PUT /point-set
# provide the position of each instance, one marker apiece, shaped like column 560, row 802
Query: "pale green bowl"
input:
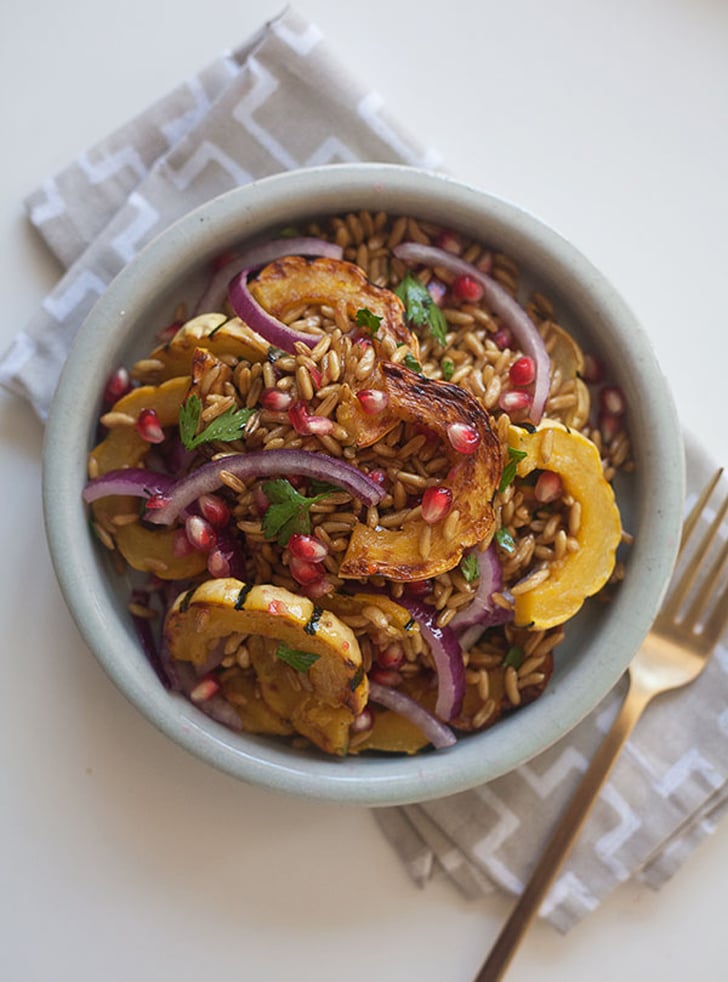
column 601, row 640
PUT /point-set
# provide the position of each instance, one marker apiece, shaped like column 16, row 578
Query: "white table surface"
column 122, row 857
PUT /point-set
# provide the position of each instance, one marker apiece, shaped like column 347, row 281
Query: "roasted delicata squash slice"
column 473, row 481
column 581, row 573
column 568, row 360
column 149, row 550
column 241, row 689
column 222, row 336
column 206, row 615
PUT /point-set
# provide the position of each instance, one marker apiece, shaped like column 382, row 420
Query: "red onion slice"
column 133, row 481
column 447, row 655
column 439, row 735
column 481, row 613
column 256, row 256
column 264, row 463
column 249, row 310
column 501, row 303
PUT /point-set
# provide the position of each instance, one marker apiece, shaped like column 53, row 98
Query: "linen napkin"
column 283, row 100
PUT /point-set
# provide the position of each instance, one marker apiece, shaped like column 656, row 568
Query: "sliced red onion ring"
column 447, row 655
column 249, row 310
column 133, row 481
column 439, row 735
column 501, row 303
column 481, row 613
column 256, row 256
column 264, row 463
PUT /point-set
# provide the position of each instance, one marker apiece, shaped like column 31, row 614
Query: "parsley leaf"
column 288, row 511
column 411, row 362
column 469, row 567
column 514, row 657
column 419, row 307
column 448, row 369
column 225, row 427
column 369, row 321
column 300, row 660
column 505, row 540
column 509, row 471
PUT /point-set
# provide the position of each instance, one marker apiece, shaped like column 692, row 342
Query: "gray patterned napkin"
column 282, row 101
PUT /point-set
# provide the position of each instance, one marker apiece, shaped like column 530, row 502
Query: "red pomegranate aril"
column 503, row 338
column 437, row 290
column 214, row 509
column 436, row 503
column 316, row 377
column 609, row 426
column 463, row 437
column 218, row 564
column 318, row 589
column 485, row 263
column 418, row 588
column 384, row 676
column 373, row 401
column 611, row 399
column 304, row 571
column 276, row 400
column 148, row 426
column 449, row 241
column 548, row 487
column 467, row 289
column 514, row 401
column 307, row 425
column 307, row 547
column 205, row 689
column 380, row 476
column 200, row 533
column 363, row 722
column 156, row 501
column 522, row 371
column 181, row 545
column 593, row 371
column 117, row 385
column 391, row 657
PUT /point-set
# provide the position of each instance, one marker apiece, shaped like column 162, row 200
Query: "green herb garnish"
column 469, row 567
column 448, row 369
column 419, row 307
column 288, row 511
column 505, row 540
column 300, row 660
column 509, row 471
column 411, row 362
column 225, row 427
column 369, row 321
column 514, row 657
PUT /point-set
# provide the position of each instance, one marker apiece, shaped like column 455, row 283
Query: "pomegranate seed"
column 276, row 400
column 503, row 338
column 318, row 589
column 449, row 241
column 305, row 424
column 463, row 437
column 304, row 571
column 200, row 533
column 593, row 371
column 117, row 385
column 418, row 588
column 181, row 545
column 485, row 263
column 307, row 547
column 391, row 657
column 467, row 289
column 436, row 503
column 381, row 477
column 218, row 564
column 156, row 501
column 205, row 689
column 363, row 722
column 373, row 401
column 611, row 399
column 609, row 426
column 437, row 290
column 385, row 676
column 316, row 377
column 214, row 509
column 148, row 426
column 511, row 402
column 522, row 371
column 548, row 487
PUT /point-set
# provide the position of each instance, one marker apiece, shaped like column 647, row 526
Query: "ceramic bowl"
column 600, row 641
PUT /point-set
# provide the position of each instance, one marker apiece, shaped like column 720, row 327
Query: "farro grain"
column 115, row 418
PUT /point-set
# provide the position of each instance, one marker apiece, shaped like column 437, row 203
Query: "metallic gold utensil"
column 674, row 653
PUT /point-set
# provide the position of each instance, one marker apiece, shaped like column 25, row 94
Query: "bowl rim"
column 235, row 216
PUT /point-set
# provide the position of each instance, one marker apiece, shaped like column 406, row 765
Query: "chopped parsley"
column 509, row 471
column 419, row 307
column 300, row 660
column 448, row 369
column 225, row 427
column 505, row 540
column 288, row 511
column 469, row 567
column 514, row 657
column 369, row 321
column 411, row 362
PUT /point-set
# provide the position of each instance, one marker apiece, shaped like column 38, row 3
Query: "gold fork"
column 673, row 654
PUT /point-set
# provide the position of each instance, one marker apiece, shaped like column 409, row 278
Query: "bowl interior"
column 600, row 640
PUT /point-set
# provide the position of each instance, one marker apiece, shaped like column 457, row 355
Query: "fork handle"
column 564, row 835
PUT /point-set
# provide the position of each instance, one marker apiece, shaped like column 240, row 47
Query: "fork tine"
column 708, row 588
column 718, row 621
column 695, row 512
